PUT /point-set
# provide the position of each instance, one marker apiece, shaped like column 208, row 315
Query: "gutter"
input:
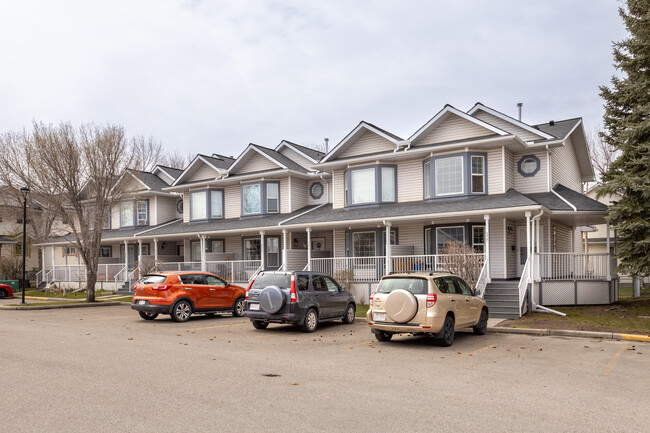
column 301, row 214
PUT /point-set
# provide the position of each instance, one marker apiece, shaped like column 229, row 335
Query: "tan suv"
column 435, row 304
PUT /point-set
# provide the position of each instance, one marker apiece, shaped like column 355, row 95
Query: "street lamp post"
column 25, row 191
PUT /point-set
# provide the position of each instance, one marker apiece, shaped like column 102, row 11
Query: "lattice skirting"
column 570, row 292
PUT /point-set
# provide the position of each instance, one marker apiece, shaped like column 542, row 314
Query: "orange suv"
column 182, row 294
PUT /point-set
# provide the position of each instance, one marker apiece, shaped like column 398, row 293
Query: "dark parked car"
column 299, row 298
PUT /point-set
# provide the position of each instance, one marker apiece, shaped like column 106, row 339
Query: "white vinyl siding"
column 506, row 126
column 255, row 162
column 531, row 184
column 494, row 171
column 452, row 129
column 115, row 217
column 564, row 167
column 368, row 143
column 409, row 180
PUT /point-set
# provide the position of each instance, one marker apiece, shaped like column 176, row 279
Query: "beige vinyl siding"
column 368, row 143
column 452, row 129
column 494, row 171
column 165, row 209
column 153, row 210
column 564, row 167
column 497, row 248
column 339, row 243
column 201, row 171
column 285, row 199
column 509, row 168
column 133, row 185
column 338, row 190
column 561, row 238
column 410, row 235
column 511, row 256
column 299, row 194
column 506, row 126
column 323, row 198
column 296, row 157
column 536, row 183
column 256, row 162
column 186, row 206
column 409, row 181
column 115, row 217
column 165, row 178
column 234, row 247
column 232, row 200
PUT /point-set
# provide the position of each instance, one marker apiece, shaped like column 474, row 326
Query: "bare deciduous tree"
column 602, row 154
column 175, row 159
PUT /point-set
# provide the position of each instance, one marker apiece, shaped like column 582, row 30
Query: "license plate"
column 254, row 306
column 379, row 317
column 142, row 302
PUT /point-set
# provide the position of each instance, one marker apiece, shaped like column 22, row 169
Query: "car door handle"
column 212, row 290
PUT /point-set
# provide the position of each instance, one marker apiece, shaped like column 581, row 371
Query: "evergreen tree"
column 627, row 128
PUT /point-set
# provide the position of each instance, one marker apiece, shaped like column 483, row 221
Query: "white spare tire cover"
column 271, row 299
column 401, row 306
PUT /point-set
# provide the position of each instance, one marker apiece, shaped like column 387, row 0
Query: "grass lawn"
column 59, row 294
column 361, row 310
column 128, row 299
column 628, row 315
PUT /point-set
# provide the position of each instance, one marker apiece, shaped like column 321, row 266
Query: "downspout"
column 548, row 168
column 535, row 245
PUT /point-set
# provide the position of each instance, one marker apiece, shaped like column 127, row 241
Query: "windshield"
column 153, row 279
column 283, row 281
column 417, row 286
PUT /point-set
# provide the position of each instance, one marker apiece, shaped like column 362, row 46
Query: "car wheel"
column 383, row 336
column 181, row 311
column 3, row 294
column 481, row 326
column 311, row 321
column 349, row 314
column 260, row 324
column 148, row 316
column 447, row 333
column 238, row 308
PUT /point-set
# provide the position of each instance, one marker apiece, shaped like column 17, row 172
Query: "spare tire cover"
column 401, row 306
column 271, row 299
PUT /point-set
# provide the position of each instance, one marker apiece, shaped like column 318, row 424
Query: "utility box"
column 14, row 284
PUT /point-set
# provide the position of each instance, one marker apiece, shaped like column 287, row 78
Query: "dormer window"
column 370, row 185
column 454, row 175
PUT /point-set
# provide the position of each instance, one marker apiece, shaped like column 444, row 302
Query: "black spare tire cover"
column 271, row 299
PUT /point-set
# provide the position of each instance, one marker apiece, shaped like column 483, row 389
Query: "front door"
column 131, row 257
column 522, row 250
column 273, row 257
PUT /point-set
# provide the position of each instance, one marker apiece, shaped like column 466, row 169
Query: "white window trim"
column 462, row 176
column 482, row 175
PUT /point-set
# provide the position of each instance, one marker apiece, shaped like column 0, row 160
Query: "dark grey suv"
column 299, row 298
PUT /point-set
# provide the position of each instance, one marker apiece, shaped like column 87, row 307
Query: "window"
column 107, row 219
column 272, row 197
column 478, row 174
column 198, row 205
column 252, row 200
column 449, row 175
column 216, row 204
column 215, row 281
column 316, row 190
column 363, row 244
column 427, row 179
column 134, row 212
column 70, row 251
column 195, row 251
column 388, row 184
column 464, row 288
column 363, row 186
column 319, row 284
column 252, row 249
column 445, row 235
column 126, row 214
column 273, row 252
column 143, row 212
column 528, row 165
column 217, row 246
column 478, row 238
column 331, row 285
column 302, row 282
column 370, row 185
column 105, row 252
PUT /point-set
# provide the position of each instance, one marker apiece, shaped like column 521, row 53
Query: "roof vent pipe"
column 519, row 105
column 327, row 145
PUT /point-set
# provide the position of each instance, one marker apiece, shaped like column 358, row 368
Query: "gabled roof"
column 580, row 201
column 170, row 172
column 443, row 114
column 217, row 162
column 478, row 106
column 272, row 155
column 311, row 154
column 560, row 128
column 360, row 129
column 149, row 181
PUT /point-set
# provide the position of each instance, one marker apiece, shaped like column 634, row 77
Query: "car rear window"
column 153, row 279
column 417, row 286
column 264, row 280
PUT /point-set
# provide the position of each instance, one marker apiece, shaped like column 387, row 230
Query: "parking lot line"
column 481, row 350
column 611, row 364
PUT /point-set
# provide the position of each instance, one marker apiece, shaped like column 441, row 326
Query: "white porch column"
column 528, row 240
column 126, row 258
column 609, row 270
column 284, row 248
column 53, row 259
column 486, row 217
column 43, row 260
column 204, row 265
column 308, row 249
column 389, row 262
column 155, row 251
column 139, row 252
column 262, row 251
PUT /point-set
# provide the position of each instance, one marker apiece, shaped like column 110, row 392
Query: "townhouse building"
column 377, row 203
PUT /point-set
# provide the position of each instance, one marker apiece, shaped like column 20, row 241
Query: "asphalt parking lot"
column 105, row 369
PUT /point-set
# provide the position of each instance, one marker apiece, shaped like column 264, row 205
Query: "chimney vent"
column 551, row 122
column 519, row 105
column 327, row 145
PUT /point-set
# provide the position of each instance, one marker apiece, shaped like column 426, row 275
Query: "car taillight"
column 372, row 297
column 294, row 297
column 431, row 299
column 248, row 289
column 162, row 287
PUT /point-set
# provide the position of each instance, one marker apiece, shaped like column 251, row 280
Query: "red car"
column 6, row 291
column 181, row 294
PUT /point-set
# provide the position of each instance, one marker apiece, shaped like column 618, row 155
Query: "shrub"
column 462, row 260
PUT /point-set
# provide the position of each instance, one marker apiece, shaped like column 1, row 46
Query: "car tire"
column 447, row 333
column 311, row 321
column 383, row 336
column 148, row 316
column 181, row 311
column 260, row 324
column 238, row 308
column 3, row 293
column 481, row 326
column 349, row 314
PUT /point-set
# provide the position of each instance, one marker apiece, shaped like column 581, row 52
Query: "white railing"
column 482, row 280
column 434, row 262
column 362, row 269
column 257, row 271
column 120, row 276
column 49, row 276
column 39, row 278
column 572, row 266
column 238, row 271
column 523, row 286
column 178, row 266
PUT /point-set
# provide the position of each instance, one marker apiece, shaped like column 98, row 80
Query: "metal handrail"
column 523, row 285
column 482, row 281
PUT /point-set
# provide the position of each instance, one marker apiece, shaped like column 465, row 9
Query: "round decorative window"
column 528, row 165
column 179, row 206
column 316, row 190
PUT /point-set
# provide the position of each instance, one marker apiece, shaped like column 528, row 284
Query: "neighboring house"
column 377, row 202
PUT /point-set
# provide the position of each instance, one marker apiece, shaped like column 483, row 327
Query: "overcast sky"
column 213, row 76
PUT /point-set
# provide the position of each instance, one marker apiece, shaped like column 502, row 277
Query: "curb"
column 56, row 307
column 569, row 333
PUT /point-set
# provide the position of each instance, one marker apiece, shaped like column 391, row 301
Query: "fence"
column 572, row 266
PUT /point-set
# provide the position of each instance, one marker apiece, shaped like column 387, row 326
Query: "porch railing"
column 572, row 266
column 179, row 266
column 238, row 271
column 430, row 262
column 361, row 269
column 482, row 280
column 523, row 286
